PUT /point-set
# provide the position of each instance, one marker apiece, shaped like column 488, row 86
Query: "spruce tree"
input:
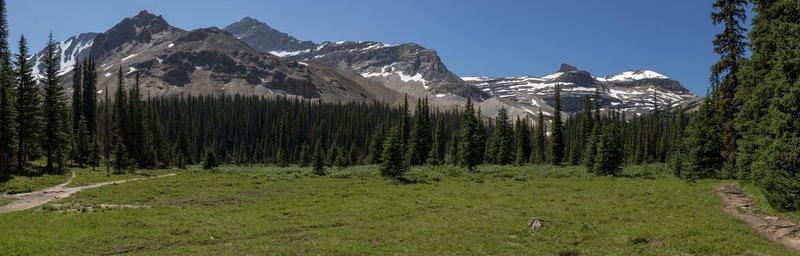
column 77, row 98
column 469, row 153
column 405, row 124
column 608, row 158
column 703, row 146
column 557, row 143
column 29, row 108
column 319, row 159
column 55, row 137
column 393, row 164
column 523, row 142
column 730, row 45
column 503, row 139
column 436, row 156
column 210, row 160
column 376, row 145
column 89, row 101
column 590, row 151
column 420, row 138
column 305, row 154
column 82, row 143
column 8, row 131
column 538, row 147
column 120, row 161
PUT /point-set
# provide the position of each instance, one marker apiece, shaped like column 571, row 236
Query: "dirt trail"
column 29, row 200
column 741, row 206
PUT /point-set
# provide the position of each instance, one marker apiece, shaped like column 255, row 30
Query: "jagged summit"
column 567, row 68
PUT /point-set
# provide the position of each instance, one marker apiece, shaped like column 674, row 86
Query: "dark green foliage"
column 376, row 145
column 8, row 131
column 89, row 101
column 82, row 143
column 523, row 142
column 469, row 152
column 55, row 136
column 318, row 161
column 770, row 91
column 608, row 154
column 210, row 160
column 730, row 45
column 393, row 164
column 120, row 160
column 436, row 156
column 305, row 155
column 501, row 146
column 538, row 147
column 590, row 151
column 420, row 139
column 703, row 146
column 29, row 108
column 557, row 140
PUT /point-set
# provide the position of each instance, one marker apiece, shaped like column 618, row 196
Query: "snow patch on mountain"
column 289, row 54
column 633, row 75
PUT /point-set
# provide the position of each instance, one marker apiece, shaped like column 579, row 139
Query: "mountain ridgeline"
column 251, row 58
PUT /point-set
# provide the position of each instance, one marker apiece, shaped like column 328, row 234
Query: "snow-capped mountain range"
column 249, row 57
column 630, row 91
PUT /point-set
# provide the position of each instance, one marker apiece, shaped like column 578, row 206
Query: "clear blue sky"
column 474, row 38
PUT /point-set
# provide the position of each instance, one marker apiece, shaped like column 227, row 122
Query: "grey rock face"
column 264, row 38
column 69, row 51
column 630, row 91
column 406, row 68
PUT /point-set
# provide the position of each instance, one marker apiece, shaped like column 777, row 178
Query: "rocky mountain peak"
column 567, row 68
column 264, row 38
column 142, row 29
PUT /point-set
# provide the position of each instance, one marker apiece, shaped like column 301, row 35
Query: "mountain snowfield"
column 147, row 44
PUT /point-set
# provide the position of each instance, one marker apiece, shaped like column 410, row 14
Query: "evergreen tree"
column 703, row 158
column 608, row 157
column 29, row 108
column 393, row 164
column 768, row 115
column 210, row 160
column 405, row 124
column 90, row 97
column 94, row 153
column 8, row 131
column 135, row 139
column 121, row 161
column 436, row 156
column 420, row 140
column 523, row 142
column 376, row 145
column 318, row 159
column 77, row 99
column 730, row 45
column 557, row 143
column 454, row 150
column 469, row 153
column 55, row 137
column 538, row 150
column 305, row 155
column 503, row 139
column 82, row 143
column 590, row 151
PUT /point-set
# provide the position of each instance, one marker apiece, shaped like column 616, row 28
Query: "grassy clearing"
column 276, row 211
column 86, row 176
column 24, row 184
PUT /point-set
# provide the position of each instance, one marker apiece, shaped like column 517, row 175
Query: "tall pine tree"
column 8, row 122
column 55, row 137
column 557, row 141
column 29, row 107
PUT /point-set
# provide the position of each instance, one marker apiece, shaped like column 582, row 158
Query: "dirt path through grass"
column 741, row 206
column 29, row 200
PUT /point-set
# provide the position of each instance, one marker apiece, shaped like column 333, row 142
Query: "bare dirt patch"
column 741, row 205
column 26, row 201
